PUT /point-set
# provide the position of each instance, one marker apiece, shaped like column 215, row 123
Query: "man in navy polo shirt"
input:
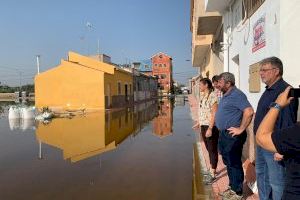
column 233, row 116
column 285, row 141
column 270, row 169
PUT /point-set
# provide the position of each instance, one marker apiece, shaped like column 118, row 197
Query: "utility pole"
column 38, row 63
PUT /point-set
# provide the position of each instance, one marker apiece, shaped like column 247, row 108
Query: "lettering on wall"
column 259, row 34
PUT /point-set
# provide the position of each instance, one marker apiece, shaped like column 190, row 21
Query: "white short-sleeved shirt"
column 205, row 107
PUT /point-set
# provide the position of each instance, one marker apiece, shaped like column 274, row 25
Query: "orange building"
column 162, row 69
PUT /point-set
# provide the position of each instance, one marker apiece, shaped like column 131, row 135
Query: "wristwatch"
column 275, row 105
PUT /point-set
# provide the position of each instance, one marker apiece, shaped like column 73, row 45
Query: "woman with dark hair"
column 208, row 106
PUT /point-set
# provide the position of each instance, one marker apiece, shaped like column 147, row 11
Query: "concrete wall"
column 240, row 42
column 213, row 65
column 289, row 40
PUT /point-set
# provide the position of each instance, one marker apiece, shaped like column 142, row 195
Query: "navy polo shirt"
column 287, row 143
column 287, row 116
column 230, row 109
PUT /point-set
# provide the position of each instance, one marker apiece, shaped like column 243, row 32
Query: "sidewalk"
column 221, row 182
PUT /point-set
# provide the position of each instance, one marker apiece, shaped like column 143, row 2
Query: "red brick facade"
column 162, row 68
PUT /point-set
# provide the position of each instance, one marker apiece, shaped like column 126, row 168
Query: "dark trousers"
column 211, row 144
column 231, row 150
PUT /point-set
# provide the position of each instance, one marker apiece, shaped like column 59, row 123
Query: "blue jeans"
column 269, row 175
column 231, row 150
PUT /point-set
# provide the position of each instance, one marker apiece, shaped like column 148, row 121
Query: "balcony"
column 205, row 23
column 216, row 5
column 200, row 48
column 208, row 24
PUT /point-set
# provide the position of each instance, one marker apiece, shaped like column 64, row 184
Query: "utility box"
column 254, row 78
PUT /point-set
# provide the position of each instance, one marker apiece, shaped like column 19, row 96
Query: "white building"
column 256, row 29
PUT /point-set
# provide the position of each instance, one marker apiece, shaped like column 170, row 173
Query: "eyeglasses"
column 265, row 70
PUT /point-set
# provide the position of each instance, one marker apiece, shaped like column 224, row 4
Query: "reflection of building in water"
column 163, row 123
column 85, row 136
column 22, row 124
column 179, row 100
column 144, row 112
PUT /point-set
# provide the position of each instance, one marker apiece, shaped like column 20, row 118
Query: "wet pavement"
column 143, row 152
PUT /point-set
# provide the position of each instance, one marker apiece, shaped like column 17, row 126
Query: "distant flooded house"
column 144, row 86
column 83, row 83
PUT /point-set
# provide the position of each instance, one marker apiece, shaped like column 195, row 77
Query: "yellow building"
column 83, row 83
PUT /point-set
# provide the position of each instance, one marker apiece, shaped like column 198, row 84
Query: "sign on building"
column 259, row 34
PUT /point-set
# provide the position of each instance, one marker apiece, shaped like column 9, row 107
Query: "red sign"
column 259, row 35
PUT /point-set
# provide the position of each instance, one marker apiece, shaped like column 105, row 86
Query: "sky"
column 127, row 31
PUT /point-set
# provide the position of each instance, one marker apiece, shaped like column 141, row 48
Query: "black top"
column 287, row 116
column 287, row 143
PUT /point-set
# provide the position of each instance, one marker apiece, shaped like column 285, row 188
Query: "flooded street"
column 144, row 152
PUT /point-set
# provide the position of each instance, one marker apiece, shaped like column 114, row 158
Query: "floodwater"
column 145, row 152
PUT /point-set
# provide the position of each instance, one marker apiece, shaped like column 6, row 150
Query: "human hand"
column 208, row 133
column 196, row 126
column 283, row 99
column 235, row 131
column 278, row 157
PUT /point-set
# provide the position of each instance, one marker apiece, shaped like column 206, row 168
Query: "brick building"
column 162, row 69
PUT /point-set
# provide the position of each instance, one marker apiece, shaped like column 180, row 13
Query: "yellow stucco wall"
column 70, row 85
column 119, row 76
column 90, row 62
column 81, row 82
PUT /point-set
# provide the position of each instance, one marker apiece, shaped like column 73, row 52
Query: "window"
column 165, row 65
column 147, row 66
column 163, row 76
column 119, row 88
column 160, row 65
column 252, row 5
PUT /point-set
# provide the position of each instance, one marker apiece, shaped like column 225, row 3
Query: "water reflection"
column 21, row 124
column 85, row 136
column 143, row 166
column 163, row 123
